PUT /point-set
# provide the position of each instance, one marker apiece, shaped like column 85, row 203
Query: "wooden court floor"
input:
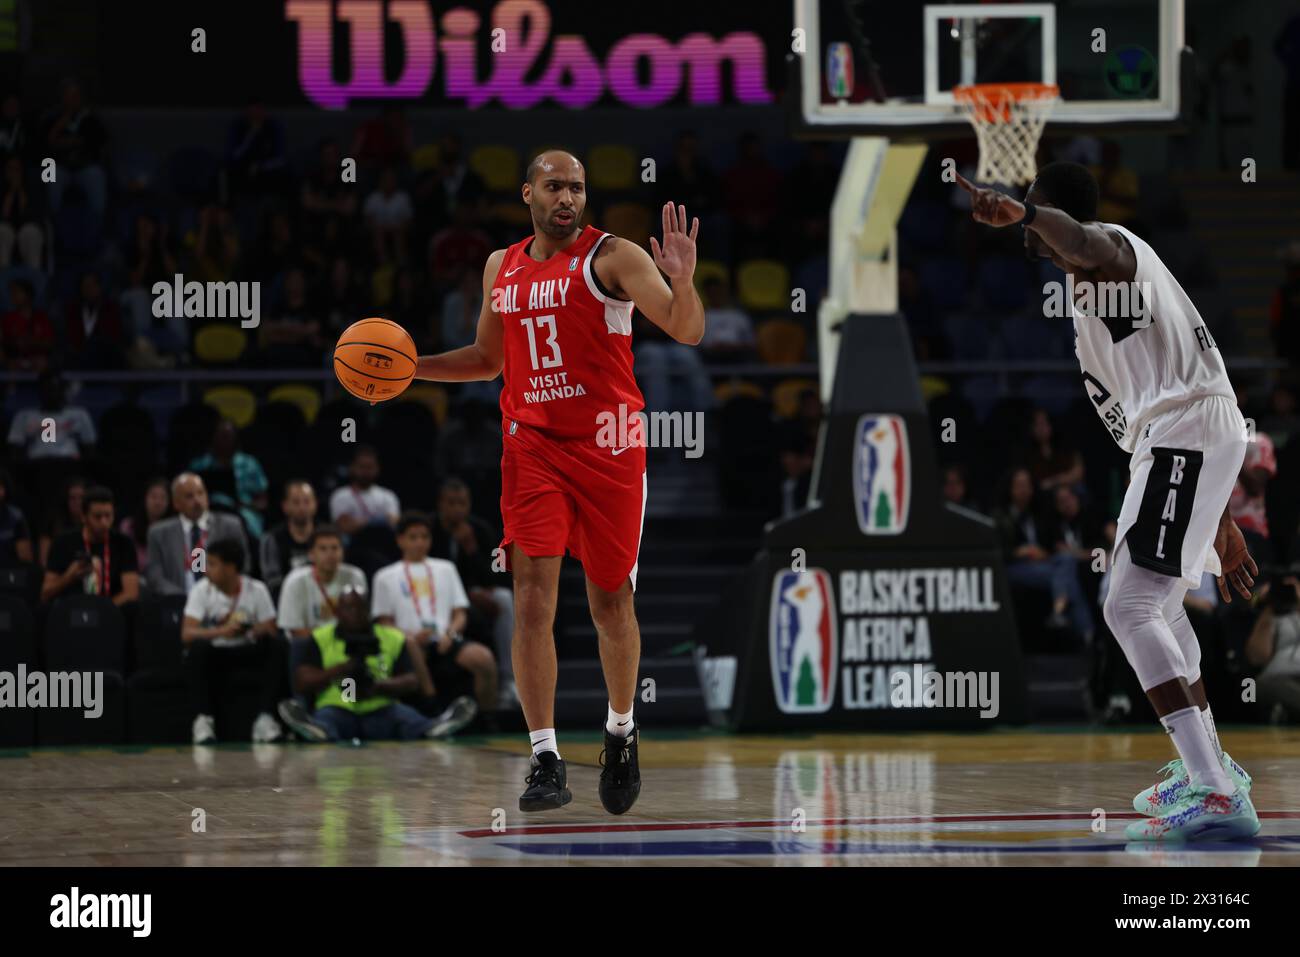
column 1022, row 797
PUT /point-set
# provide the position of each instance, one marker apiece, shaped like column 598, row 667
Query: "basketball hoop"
column 1008, row 120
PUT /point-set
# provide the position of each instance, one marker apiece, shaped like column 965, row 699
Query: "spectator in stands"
column 15, row 534
column 956, row 488
column 92, row 328
column 469, row 445
column 285, row 547
column 1048, row 461
column 818, row 177
column 728, row 329
column 1026, row 548
column 76, row 139
column 753, row 190
column 292, row 338
column 459, row 248
column 690, row 180
column 54, row 429
column 276, row 248
column 384, row 140
column 311, row 592
column 174, row 567
column 425, row 598
column 388, row 214
column 412, row 309
column 448, row 185
column 26, row 333
column 22, row 219
column 229, row 624
column 151, row 259
column 362, row 502
column 1118, row 187
column 324, row 194
column 375, row 662
column 345, row 299
column 671, row 374
column 1284, row 310
column 153, row 508
column 1282, row 420
column 796, row 466
column 213, row 247
column 255, row 154
column 1247, row 504
column 94, row 559
column 250, row 478
column 13, row 128
column 1274, row 647
column 472, row 545
column 65, row 516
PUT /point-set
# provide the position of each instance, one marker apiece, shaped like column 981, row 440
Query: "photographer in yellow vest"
column 354, row 671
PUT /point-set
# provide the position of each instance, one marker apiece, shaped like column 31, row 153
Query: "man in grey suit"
column 170, row 568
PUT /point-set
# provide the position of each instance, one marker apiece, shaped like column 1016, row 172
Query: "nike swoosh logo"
column 511, row 272
column 620, row 451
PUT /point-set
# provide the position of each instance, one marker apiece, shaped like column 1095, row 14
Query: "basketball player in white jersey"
column 1159, row 384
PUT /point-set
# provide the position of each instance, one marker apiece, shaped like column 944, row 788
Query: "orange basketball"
column 375, row 359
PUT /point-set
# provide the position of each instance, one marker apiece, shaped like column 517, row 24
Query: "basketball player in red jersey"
column 557, row 319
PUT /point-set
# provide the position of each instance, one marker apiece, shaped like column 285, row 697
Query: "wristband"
column 1030, row 211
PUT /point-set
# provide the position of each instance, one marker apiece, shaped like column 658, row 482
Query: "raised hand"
column 676, row 258
column 990, row 207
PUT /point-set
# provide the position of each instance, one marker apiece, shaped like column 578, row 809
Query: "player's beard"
column 560, row 230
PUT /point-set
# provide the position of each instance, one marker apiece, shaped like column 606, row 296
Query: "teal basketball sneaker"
column 1164, row 795
column 1202, row 815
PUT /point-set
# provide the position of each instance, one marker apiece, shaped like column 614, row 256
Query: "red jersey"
column 566, row 342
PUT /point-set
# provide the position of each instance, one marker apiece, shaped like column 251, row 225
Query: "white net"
column 1008, row 120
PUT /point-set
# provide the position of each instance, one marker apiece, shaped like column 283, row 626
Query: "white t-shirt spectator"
column 70, row 431
column 209, row 605
column 727, row 327
column 302, row 604
column 1248, row 510
column 438, row 592
column 376, row 505
column 1285, row 662
column 388, row 211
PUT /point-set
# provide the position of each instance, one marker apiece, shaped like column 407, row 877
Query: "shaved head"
column 557, row 161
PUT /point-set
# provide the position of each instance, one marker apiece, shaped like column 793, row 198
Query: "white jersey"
column 1141, row 361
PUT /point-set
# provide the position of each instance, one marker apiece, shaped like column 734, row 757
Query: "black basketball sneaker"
column 620, row 777
column 546, row 784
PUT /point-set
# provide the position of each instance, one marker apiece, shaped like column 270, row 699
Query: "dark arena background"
column 881, row 503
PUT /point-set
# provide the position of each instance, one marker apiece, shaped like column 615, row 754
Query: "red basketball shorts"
column 567, row 493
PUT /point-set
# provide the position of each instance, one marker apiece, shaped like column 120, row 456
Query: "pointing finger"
column 964, row 183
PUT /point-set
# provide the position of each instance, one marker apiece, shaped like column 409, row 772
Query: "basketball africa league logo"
column 882, row 474
column 803, row 650
column 1130, row 71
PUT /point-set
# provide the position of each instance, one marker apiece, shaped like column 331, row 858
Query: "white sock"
column 543, row 740
column 619, row 725
column 1208, row 720
column 1197, row 751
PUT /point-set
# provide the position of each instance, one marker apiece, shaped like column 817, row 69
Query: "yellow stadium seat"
column 785, row 396
column 219, row 343
column 763, row 284
column 611, row 167
column 498, row 165
column 425, row 157
column 234, row 402
column 433, row 397
column 733, row 388
column 781, row 341
column 710, row 269
column 631, row 221
column 932, row 387
column 381, row 285
column 304, row 397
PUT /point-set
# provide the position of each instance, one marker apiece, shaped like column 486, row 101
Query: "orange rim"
column 991, row 102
